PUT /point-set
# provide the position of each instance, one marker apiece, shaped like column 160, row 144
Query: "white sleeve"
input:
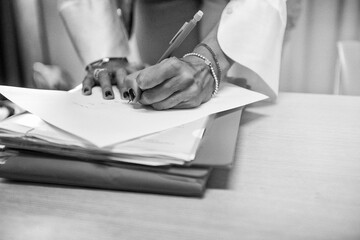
column 251, row 33
column 95, row 29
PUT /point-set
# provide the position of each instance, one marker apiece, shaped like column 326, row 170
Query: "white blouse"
column 250, row 33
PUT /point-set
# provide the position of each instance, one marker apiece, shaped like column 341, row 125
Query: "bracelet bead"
column 214, row 57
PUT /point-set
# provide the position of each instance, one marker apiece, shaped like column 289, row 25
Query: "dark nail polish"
column 108, row 93
column 132, row 94
column 125, row 95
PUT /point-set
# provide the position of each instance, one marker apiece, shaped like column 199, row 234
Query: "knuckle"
column 129, row 81
column 103, row 74
column 195, row 89
column 174, row 63
column 120, row 72
column 141, row 80
column 188, row 76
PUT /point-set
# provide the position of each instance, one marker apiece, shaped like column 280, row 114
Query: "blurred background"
column 32, row 31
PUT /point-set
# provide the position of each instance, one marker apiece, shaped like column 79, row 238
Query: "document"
column 108, row 122
column 176, row 145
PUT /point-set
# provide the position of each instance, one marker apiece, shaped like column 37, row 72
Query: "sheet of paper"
column 178, row 143
column 106, row 122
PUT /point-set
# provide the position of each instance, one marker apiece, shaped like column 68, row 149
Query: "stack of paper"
column 177, row 145
column 69, row 123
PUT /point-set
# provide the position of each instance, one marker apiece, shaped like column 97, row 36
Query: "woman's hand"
column 173, row 83
column 108, row 72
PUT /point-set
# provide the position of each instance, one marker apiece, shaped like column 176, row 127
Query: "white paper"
column 106, row 122
column 179, row 143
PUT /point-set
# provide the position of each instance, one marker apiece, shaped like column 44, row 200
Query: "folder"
column 176, row 145
column 217, row 149
column 66, row 171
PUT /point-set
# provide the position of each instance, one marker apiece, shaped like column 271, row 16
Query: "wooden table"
column 296, row 176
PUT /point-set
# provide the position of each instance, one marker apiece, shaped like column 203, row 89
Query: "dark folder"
column 216, row 150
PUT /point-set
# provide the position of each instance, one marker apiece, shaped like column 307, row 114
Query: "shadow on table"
column 220, row 177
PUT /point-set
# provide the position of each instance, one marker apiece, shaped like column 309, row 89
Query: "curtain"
column 309, row 55
column 11, row 70
column 23, row 40
column 32, row 31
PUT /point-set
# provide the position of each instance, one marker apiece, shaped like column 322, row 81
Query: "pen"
column 181, row 35
column 174, row 43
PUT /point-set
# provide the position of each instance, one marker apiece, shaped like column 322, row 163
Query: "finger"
column 188, row 99
column 166, row 89
column 105, row 84
column 87, row 84
column 132, row 88
column 194, row 101
column 192, row 97
column 186, row 105
column 120, row 76
column 131, row 69
column 141, row 66
column 171, row 101
column 129, row 88
column 156, row 74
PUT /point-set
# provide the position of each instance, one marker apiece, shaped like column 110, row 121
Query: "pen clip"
column 178, row 33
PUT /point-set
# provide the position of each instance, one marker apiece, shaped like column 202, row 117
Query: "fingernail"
column 132, row 94
column 125, row 95
column 108, row 93
column 86, row 90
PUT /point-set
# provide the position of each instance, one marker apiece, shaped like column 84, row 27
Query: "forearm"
column 95, row 29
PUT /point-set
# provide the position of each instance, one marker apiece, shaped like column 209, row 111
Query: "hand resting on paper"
column 107, row 72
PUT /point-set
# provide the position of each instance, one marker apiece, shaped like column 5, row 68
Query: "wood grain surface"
column 296, row 176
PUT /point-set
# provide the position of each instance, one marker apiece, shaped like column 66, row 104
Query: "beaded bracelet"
column 212, row 71
column 100, row 62
column 214, row 57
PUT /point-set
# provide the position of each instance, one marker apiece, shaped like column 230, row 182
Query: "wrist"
column 214, row 58
column 213, row 49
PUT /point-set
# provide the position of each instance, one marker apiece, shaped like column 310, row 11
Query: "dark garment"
column 11, row 71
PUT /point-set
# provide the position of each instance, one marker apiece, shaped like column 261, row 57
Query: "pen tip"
column 198, row 15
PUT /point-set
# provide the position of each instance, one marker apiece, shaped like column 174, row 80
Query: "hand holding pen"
column 133, row 92
column 185, row 82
